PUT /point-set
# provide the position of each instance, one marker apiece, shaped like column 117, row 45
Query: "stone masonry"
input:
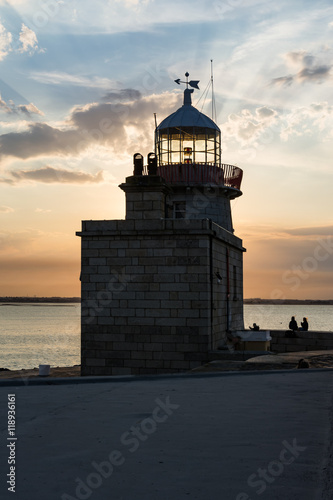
column 151, row 300
column 305, row 341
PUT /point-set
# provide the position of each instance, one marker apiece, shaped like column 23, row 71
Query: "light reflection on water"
column 33, row 334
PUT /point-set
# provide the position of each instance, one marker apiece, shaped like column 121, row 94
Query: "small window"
column 179, row 210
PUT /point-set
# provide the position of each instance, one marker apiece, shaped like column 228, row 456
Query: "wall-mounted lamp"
column 219, row 277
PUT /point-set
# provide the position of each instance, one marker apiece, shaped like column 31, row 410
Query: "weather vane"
column 191, row 83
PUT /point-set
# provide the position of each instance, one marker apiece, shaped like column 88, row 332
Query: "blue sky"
column 80, row 82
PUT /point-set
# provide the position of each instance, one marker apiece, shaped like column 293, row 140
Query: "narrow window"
column 179, row 210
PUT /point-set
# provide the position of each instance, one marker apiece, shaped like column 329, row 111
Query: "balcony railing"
column 200, row 173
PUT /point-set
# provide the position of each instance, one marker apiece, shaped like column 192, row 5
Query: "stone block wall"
column 228, row 293
column 305, row 341
column 149, row 304
column 145, row 197
column 204, row 202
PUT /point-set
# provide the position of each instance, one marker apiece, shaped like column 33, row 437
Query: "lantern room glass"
column 188, row 145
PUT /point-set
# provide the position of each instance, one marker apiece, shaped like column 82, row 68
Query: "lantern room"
column 188, row 149
column 188, row 136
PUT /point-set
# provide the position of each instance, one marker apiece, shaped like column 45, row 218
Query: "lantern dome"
column 188, row 136
column 187, row 116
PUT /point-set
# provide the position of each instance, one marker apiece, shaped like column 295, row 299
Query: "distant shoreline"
column 36, row 300
column 292, row 302
column 77, row 300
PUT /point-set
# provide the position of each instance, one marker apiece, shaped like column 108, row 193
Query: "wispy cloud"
column 247, row 126
column 310, row 69
column 309, row 120
column 6, row 210
column 62, row 78
column 17, row 240
column 39, row 139
column 4, row 106
column 51, row 175
column 5, row 42
column 28, row 40
column 122, row 95
column 42, row 210
column 285, row 81
column 311, row 231
column 26, row 109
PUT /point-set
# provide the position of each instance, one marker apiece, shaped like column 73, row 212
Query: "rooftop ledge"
column 118, row 228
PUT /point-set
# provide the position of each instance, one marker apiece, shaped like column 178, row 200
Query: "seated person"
column 293, row 324
column 304, row 325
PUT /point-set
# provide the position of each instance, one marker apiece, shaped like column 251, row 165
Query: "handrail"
column 200, row 173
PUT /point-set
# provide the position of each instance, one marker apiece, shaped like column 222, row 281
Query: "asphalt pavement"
column 226, row 436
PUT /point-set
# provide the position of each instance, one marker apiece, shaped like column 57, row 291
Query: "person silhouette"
column 304, row 325
column 293, row 324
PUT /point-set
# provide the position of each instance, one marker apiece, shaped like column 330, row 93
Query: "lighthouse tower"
column 162, row 288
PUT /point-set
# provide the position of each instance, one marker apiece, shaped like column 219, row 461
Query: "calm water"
column 31, row 335
column 272, row 317
column 50, row 334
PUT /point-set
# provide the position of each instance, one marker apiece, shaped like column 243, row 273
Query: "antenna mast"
column 212, row 84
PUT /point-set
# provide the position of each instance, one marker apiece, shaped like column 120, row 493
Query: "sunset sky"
column 79, row 84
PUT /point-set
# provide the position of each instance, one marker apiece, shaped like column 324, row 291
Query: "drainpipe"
column 211, row 283
column 228, row 292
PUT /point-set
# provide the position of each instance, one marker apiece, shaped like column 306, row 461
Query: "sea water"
column 34, row 334
column 277, row 317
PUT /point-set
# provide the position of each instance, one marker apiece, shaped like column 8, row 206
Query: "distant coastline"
column 36, row 300
column 277, row 302
column 66, row 300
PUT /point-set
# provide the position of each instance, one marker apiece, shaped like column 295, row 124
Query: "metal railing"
column 200, row 173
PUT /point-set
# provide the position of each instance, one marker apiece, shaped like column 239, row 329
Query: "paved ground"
column 290, row 360
column 316, row 359
column 224, row 361
column 231, row 436
column 64, row 371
